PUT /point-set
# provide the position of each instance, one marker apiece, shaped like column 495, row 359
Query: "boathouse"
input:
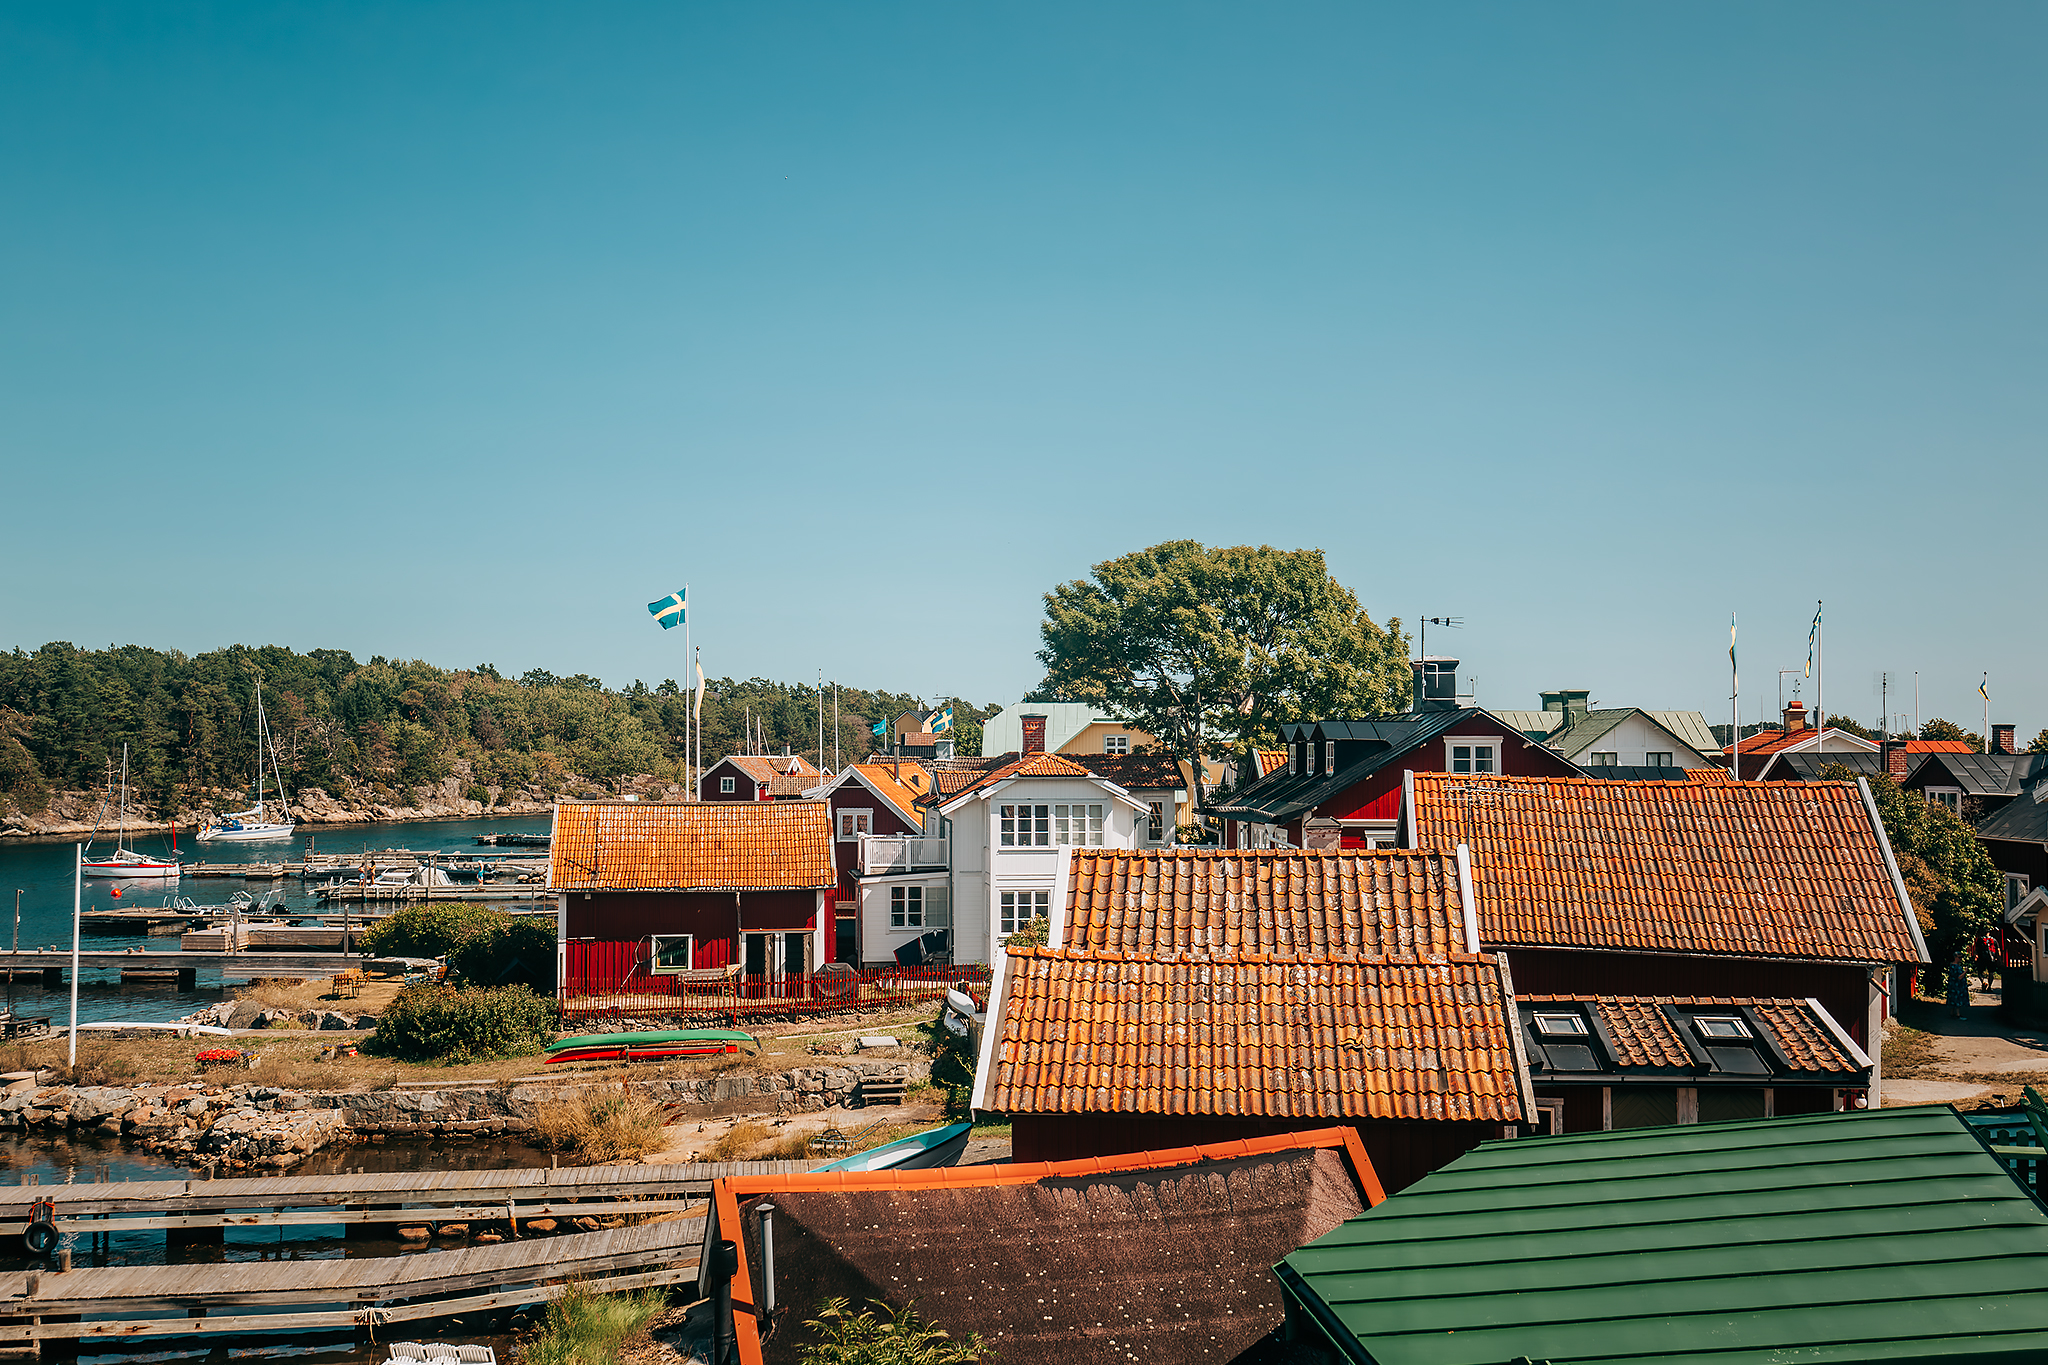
column 649, row 893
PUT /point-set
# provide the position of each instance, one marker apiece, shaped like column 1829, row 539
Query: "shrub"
column 582, row 1328
column 953, row 1064
column 877, row 1336
column 432, row 929
column 477, row 792
column 462, row 1024
column 600, row 1127
column 513, row 950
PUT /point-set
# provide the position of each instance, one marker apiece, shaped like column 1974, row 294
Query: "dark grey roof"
column 1633, row 773
column 1983, row 774
column 2023, row 819
column 1807, row 767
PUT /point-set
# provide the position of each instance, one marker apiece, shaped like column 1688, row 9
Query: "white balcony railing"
column 882, row 853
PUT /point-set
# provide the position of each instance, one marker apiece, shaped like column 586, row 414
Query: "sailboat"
column 249, row 826
column 125, row 861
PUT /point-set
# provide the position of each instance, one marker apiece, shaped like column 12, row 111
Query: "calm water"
column 43, row 874
column 91, row 1160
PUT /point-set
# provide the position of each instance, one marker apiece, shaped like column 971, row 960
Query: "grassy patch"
column 1908, row 1051
column 582, row 1328
column 605, row 1126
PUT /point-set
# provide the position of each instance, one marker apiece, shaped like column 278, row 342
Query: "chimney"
column 1570, row 703
column 1895, row 759
column 1436, row 684
column 1034, row 734
column 2002, row 741
column 1795, row 716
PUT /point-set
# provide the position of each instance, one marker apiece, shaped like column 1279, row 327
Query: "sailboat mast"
column 121, row 839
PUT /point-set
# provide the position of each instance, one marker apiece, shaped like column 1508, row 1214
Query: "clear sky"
column 462, row 331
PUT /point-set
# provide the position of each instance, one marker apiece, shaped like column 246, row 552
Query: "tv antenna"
column 1448, row 622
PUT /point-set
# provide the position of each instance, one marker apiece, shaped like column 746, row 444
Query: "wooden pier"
column 53, row 963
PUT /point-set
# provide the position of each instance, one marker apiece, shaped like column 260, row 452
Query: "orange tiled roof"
column 1026, row 765
column 691, row 846
column 1270, row 761
column 1770, row 741
column 1352, row 1040
column 775, row 772
column 1744, row 869
column 1644, row 1036
column 903, row 785
column 1225, row 904
column 1938, row 746
column 1707, row 775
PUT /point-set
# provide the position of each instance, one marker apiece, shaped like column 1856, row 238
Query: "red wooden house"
column 876, row 802
column 647, row 892
column 757, row 777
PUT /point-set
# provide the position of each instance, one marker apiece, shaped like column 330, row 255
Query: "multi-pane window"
column 1116, row 744
column 906, row 907
column 1026, row 826
column 725, row 786
column 1076, row 824
column 1329, row 755
column 854, row 823
column 1952, row 797
column 1606, row 760
column 1019, row 908
column 1472, row 758
column 1658, row 761
column 1155, row 826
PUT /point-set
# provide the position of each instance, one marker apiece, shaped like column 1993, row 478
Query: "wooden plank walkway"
column 353, row 1292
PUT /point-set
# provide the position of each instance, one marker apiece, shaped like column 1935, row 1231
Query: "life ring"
column 41, row 1236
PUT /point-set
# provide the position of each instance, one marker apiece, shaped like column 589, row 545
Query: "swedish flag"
column 669, row 610
column 940, row 720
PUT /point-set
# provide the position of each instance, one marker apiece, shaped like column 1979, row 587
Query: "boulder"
column 329, row 1021
column 244, row 1014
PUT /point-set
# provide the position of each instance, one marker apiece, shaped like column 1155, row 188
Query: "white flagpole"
column 689, row 774
column 1820, row 662
column 77, row 907
column 1984, row 691
column 1735, row 711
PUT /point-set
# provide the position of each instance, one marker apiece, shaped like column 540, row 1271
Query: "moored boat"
column 250, row 826
column 919, row 1151
column 124, row 861
column 685, row 1037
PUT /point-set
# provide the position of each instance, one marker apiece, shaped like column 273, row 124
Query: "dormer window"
column 1116, row 744
column 1561, row 1025
column 1329, row 755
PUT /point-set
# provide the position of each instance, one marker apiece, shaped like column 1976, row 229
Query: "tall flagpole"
column 77, row 905
column 1820, row 663
column 1735, row 711
column 689, row 766
column 1984, row 691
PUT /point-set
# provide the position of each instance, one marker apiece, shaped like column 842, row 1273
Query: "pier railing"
column 656, row 999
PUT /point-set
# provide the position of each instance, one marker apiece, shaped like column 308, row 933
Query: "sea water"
column 42, row 872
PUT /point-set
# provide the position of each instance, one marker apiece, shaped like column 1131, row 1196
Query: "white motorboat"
column 124, row 861
column 251, row 826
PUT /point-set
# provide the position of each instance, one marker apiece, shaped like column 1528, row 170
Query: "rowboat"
column 685, row 1037
column 652, row 1053
column 939, row 1147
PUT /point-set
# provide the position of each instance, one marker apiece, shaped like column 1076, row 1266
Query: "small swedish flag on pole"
column 670, row 610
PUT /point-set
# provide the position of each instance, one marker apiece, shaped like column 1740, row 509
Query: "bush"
column 462, row 1024
column 515, row 950
column 953, row 1064
column 877, row 1336
column 582, row 1328
column 477, row 792
column 433, row 929
column 600, row 1127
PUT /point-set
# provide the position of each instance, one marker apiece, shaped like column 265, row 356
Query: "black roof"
column 2023, row 819
column 1807, row 767
column 1633, row 773
column 1981, row 774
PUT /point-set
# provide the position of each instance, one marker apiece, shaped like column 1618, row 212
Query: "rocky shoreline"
column 269, row 1129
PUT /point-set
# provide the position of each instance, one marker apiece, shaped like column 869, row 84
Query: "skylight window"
column 1560, row 1026
column 1720, row 1027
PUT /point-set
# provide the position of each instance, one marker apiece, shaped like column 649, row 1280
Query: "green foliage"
column 1957, row 892
column 877, row 1335
column 1848, row 726
column 1948, row 729
column 516, row 949
column 455, row 1024
column 953, row 1063
column 1032, row 935
column 1215, row 648
column 582, row 1328
column 2040, row 744
column 430, row 929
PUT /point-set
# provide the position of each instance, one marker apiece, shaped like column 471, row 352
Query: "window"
column 669, row 954
column 1021, row 907
column 1474, row 755
column 1329, row 755
column 937, row 913
column 1560, row 1025
column 1116, row 744
column 1658, row 761
column 725, row 786
column 1719, row 1026
column 1155, row 825
column 1076, row 824
column 1606, row 760
column 906, row 907
column 1952, row 797
column 1026, row 826
column 2016, row 886
column 854, row 823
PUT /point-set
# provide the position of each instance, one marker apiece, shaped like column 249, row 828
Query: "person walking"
column 1958, row 986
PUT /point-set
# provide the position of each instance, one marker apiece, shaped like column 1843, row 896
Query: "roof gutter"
column 1891, row 865
column 1298, row 1293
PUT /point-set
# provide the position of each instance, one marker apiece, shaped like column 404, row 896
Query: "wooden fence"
column 701, row 998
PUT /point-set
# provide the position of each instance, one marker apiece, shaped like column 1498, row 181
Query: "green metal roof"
column 1883, row 1235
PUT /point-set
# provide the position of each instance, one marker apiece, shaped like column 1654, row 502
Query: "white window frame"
column 906, row 907
column 1660, row 760
column 862, row 818
column 938, row 907
column 1155, row 823
column 1036, row 831
column 2017, row 885
column 1016, row 909
column 725, row 786
column 1116, row 744
column 1453, row 743
column 1569, row 1024
column 1078, row 823
column 1952, row 797
column 1604, row 758
column 654, row 942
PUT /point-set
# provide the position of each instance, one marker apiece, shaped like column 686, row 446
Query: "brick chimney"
column 1895, row 759
column 2002, row 741
column 1034, row 734
column 1795, row 716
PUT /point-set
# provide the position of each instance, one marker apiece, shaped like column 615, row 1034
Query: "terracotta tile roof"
column 1145, row 770
column 1225, row 904
column 1744, row 869
column 691, row 846
column 1270, row 761
column 1024, row 765
column 903, row 785
column 1938, row 746
column 1770, row 741
column 1707, row 775
column 1367, row 1039
column 1644, row 1035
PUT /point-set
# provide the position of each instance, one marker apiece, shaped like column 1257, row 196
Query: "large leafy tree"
column 1211, row 649
column 1956, row 890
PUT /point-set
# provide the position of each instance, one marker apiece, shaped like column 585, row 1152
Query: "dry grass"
column 738, row 1142
column 1908, row 1051
column 600, row 1126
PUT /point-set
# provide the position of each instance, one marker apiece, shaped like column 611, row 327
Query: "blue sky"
column 462, row 331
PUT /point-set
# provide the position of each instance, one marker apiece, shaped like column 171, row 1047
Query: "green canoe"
column 632, row 1040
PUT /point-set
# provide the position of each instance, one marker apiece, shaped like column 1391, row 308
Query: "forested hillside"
column 382, row 728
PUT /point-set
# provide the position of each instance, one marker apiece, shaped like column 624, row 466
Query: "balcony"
column 881, row 854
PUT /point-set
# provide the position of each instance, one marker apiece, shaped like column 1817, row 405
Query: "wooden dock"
column 53, row 963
